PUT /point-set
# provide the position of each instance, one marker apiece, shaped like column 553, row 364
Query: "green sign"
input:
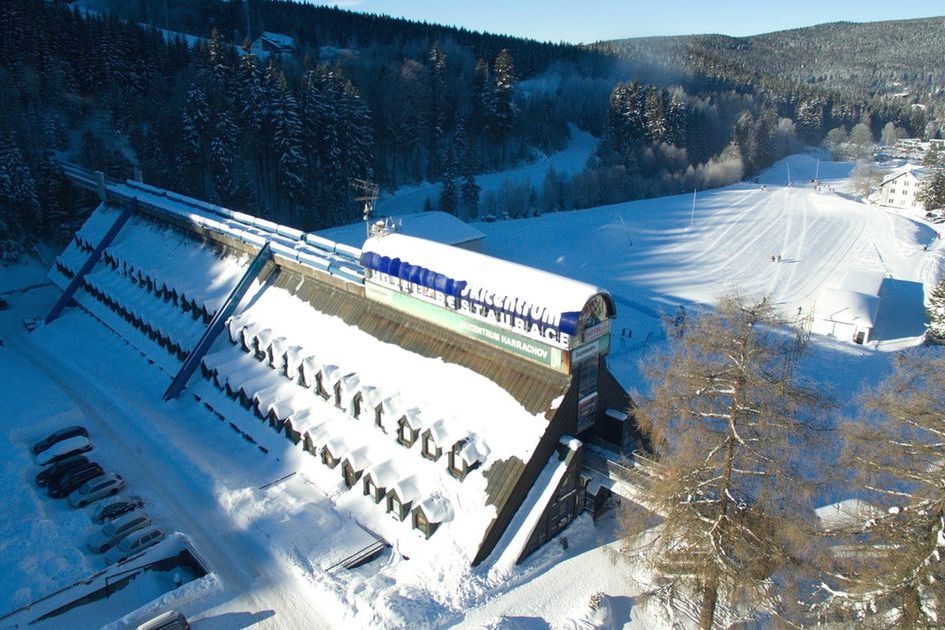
column 517, row 344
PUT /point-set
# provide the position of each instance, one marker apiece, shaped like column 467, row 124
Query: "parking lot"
column 180, row 458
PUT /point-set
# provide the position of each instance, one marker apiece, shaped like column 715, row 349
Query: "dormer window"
column 327, row 458
column 430, row 450
column 395, row 506
column 319, row 386
column 379, row 417
column 456, row 464
column 406, row 436
column 350, row 475
column 356, row 405
column 338, row 394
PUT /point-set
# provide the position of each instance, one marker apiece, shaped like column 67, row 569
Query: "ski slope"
column 657, row 254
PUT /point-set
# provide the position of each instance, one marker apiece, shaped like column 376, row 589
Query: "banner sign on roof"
column 532, row 320
column 474, row 328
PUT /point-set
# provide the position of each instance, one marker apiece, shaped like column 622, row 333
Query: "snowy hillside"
column 656, row 254
column 272, row 545
column 570, row 160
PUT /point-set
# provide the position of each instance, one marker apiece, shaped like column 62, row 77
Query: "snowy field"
column 268, row 546
column 570, row 160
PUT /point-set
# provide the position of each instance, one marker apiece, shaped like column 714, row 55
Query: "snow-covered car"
column 112, row 532
column 133, row 543
column 55, row 471
column 115, row 508
column 95, row 489
column 59, row 436
column 170, row 620
column 60, row 450
column 66, row 484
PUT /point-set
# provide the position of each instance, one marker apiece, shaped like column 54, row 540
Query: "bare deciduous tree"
column 731, row 426
column 891, row 566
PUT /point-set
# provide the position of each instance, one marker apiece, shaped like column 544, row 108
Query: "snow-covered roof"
column 383, row 474
column 563, row 297
column 849, row 307
column 408, row 489
column 440, row 227
column 437, row 509
column 277, row 38
column 867, row 282
column 915, row 170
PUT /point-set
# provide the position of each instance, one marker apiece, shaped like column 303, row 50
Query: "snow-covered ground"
column 265, row 545
column 656, row 254
column 570, row 160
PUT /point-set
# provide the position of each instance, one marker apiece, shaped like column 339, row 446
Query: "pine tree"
column 935, row 312
column 729, row 423
column 654, row 114
column 247, row 90
column 222, row 147
column 287, row 141
column 892, row 570
column 448, row 196
column 481, row 97
column 931, row 191
column 437, row 99
column 18, row 195
column 503, row 106
column 195, row 122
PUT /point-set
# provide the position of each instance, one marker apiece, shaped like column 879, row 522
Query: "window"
column 338, row 395
column 587, row 378
column 395, row 506
column 379, row 417
column 356, row 405
column 350, row 475
column 327, row 458
column 456, row 465
column 430, row 450
column 370, row 488
column 319, row 387
column 405, row 435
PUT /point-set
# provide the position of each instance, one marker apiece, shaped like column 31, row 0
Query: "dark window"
column 356, row 405
column 587, row 378
column 430, row 449
column 394, row 505
column 405, row 435
column 338, row 395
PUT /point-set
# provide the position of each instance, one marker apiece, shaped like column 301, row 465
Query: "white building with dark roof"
column 898, row 189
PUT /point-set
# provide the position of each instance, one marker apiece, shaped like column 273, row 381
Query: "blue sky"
column 584, row 21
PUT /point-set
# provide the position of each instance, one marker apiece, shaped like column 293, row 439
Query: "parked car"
column 170, row 620
column 59, row 436
column 117, row 507
column 112, row 532
column 95, row 489
column 134, row 543
column 60, row 450
column 56, row 470
column 53, row 481
column 72, row 480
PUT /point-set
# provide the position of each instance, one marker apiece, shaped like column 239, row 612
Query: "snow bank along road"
column 161, row 452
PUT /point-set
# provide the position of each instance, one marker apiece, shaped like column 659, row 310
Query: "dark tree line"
column 372, row 97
